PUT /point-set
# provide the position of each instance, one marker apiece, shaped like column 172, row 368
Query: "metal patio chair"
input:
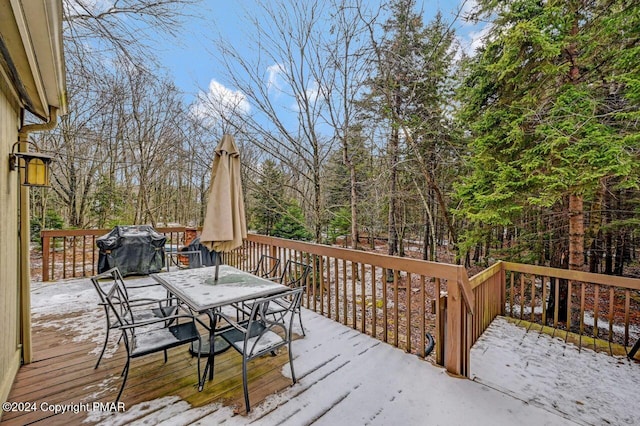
column 149, row 336
column 267, row 267
column 143, row 309
column 176, row 258
column 294, row 275
column 262, row 333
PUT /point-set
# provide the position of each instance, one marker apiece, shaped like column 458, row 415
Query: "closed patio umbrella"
column 224, row 224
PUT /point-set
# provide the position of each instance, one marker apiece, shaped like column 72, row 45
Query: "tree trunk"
column 576, row 232
column 558, row 259
column 392, row 239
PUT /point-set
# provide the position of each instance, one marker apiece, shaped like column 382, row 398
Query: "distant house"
column 32, row 78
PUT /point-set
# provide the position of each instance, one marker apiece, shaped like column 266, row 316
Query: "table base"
column 220, row 345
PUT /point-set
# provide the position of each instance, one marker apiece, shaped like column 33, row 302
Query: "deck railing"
column 73, row 253
column 400, row 300
column 397, row 300
column 590, row 309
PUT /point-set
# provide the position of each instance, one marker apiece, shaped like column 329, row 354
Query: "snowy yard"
column 589, row 387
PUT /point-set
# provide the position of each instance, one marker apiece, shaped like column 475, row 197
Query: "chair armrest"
column 137, row 286
column 155, row 321
column 232, row 323
column 242, row 307
column 149, row 301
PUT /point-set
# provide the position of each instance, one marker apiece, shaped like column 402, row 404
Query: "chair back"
column 104, row 283
column 117, row 301
column 267, row 267
column 262, row 323
column 295, row 274
column 155, row 334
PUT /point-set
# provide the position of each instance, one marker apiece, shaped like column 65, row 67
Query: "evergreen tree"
column 551, row 101
column 267, row 198
column 291, row 225
column 410, row 91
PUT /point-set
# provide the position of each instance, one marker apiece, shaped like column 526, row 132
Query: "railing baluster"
column 354, row 323
column 344, row 292
column 556, row 303
column 544, row 299
column 596, row 310
column 328, row 287
column 374, row 302
column 408, row 311
column 627, row 307
column 385, row 324
column 569, row 307
column 440, row 322
column 522, row 286
column 582, row 301
column 533, row 297
column 422, row 317
column 337, row 288
column 611, row 311
column 46, row 252
column 511, row 291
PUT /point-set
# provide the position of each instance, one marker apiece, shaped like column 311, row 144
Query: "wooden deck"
column 344, row 377
column 63, row 373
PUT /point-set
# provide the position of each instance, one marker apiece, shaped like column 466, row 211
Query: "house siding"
column 10, row 353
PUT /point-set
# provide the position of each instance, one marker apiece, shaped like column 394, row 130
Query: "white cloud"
column 468, row 6
column 220, row 101
column 273, row 80
column 471, row 35
column 477, row 39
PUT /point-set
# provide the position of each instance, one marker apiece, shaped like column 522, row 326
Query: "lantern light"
column 36, row 165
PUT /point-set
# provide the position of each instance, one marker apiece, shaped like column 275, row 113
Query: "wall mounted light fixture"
column 35, row 164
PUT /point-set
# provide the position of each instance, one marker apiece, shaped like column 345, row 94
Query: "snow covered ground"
column 347, row 378
column 593, row 388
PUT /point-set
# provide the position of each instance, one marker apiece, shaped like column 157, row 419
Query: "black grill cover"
column 208, row 257
column 135, row 250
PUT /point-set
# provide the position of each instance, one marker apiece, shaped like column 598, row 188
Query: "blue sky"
column 192, row 68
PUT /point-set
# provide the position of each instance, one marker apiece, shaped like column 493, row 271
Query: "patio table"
column 198, row 289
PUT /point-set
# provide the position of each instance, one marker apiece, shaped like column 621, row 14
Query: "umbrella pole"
column 217, row 265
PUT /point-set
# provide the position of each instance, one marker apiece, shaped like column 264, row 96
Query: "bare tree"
column 96, row 29
column 342, row 84
column 280, row 83
column 104, row 42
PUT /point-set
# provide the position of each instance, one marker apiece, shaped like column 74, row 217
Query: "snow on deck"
column 347, row 378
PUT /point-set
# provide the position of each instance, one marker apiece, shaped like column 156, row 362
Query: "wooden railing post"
column 460, row 307
column 46, row 247
column 453, row 332
column 441, row 316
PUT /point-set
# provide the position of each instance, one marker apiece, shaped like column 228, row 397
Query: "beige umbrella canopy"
column 224, row 224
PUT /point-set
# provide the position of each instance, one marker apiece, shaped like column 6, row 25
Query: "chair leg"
column 165, row 356
column 293, row 374
column 104, row 347
column 633, row 351
column 300, row 318
column 199, row 346
column 125, row 373
column 245, row 384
